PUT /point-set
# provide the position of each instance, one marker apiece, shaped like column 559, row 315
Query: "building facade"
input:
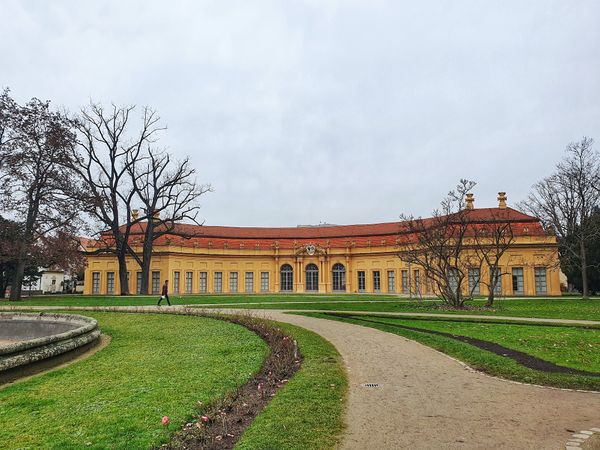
column 318, row 259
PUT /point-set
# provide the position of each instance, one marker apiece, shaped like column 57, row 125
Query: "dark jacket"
column 164, row 289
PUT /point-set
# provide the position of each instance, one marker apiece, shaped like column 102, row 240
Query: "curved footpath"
column 427, row 400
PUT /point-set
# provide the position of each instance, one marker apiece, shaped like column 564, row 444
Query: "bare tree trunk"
column 146, row 259
column 123, row 275
column 144, row 290
column 16, row 287
column 122, row 261
column 491, row 289
column 584, row 275
column 15, row 290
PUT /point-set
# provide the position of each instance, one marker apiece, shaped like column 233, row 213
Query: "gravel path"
column 427, row 400
column 457, row 316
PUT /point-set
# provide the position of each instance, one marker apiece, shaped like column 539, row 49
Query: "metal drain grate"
column 370, row 385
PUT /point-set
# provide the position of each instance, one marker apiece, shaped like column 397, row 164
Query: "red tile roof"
column 337, row 236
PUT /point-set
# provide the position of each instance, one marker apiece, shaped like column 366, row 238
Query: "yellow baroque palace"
column 318, row 259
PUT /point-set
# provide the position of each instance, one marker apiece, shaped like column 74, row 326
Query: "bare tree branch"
column 169, row 195
column 565, row 203
column 436, row 244
column 106, row 152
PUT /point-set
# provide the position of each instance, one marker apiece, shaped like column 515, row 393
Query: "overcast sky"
column 337, row 111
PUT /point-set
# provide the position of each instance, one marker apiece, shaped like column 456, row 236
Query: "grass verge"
column 555, row 308
column 155, row 366
column 308, row 412
column 117, row 398
column 575, row 347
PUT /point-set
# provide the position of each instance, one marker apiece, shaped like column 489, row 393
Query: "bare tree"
column 437, row 244
column 489, row 241
column 37, row 188
column 565, row 203
column 169, row 195
column 106, row 151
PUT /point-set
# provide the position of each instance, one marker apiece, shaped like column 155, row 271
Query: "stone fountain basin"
column 28, row 338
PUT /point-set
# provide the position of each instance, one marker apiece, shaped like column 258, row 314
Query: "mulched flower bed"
column 220, row 425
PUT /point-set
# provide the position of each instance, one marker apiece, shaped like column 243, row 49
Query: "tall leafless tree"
column 107, row 147
column 489, row 240
column 566, row 201
column 169, row 194
column 37, row 188
column 437, row 244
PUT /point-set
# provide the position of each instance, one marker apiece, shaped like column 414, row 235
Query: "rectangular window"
column 453, row 279
column 264, row 282
column 361, row 281
column 417, row 275
column 391, row 281
column 541, row 286
column 110, row 282
column 517, row 280
column 188, row 282
column 175, row 282
column 138, row 283
column 203, row 282
column 249, row 282
column 376, row 281
column 474, row 275
column 405, row 281
column 233, row 281
column 156, row 282
column 218, row 282
column 95, row 282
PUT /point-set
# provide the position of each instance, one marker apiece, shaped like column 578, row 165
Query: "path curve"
column 427, row 400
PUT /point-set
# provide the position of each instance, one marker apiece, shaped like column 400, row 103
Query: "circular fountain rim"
column 86, row 325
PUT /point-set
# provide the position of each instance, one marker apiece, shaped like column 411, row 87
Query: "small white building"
column 52, row 281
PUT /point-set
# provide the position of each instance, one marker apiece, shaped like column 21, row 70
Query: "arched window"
column 312, row 277
column 339, row 277
column 286, row 278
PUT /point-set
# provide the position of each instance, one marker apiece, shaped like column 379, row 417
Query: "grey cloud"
column 346, row 112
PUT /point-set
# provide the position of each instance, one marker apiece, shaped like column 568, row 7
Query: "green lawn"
column 97, row 300
column 164, row 364
column 554, row 308
column 565, row 307
column 155, row 366
column 574, row 347
column 308, row 412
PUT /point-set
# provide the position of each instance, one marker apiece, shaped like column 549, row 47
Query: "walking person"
column 165, row 293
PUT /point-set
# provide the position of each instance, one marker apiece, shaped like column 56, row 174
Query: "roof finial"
column 470, row 201
column 502, row 200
